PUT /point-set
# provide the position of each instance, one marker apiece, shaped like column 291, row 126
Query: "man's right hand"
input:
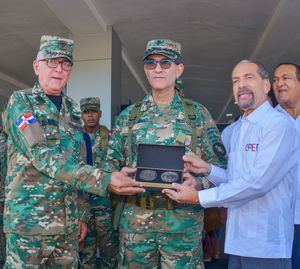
column 193, row 163
column 122, row 184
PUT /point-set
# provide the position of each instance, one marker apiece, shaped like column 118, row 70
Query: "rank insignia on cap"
column 63, row 45
column 25, row 120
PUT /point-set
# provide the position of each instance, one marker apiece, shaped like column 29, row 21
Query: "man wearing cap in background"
column 45, row 145
column 100, row 230
column 154, row 232
column 3, row 168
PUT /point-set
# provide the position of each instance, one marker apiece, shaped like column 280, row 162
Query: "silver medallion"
column 169, row 176
column 148, row 175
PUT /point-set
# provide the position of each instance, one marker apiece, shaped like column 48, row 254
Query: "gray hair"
column 261, row 70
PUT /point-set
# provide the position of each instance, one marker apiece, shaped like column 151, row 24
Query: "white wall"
column 91, row 74
column 116, row 78
column 89, row 79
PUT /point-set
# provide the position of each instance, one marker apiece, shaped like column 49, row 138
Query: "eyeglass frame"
column 58, row 62
column 156, row 62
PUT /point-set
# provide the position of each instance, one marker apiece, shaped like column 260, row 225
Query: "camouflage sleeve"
column 99, row 149
column 83, row 198
column 31, row 143
column 213, row 150
column 3, row 165
column 83, row 205
column 114, row 156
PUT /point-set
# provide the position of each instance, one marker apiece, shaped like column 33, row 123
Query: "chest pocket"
column 51, row 131
column 183, row 133
column 161, row 132
column 76, row 130
column 139, row 131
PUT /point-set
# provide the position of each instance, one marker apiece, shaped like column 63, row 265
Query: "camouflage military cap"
column 90, row 103
column 165, row 47
column 55, row 47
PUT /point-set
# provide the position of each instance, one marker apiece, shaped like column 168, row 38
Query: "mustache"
column 244, row 90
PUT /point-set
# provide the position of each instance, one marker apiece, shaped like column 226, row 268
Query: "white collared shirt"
column 296, row 123
column 258, row 187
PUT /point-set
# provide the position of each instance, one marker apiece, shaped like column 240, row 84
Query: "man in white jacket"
column 258, row 186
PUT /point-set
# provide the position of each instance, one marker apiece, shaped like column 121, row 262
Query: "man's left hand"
column 184, row 194
column 122, row 184
column 191, row 181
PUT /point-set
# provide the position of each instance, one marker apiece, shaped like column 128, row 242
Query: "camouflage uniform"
column 100, row 234
column 154, row 231
column 178, row 230
column 44, row 170
column 3, row 165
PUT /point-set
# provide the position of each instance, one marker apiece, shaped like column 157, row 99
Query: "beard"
column 249, row 103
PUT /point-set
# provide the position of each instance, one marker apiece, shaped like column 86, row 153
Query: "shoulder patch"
column 25, row 120
column 219, row 149
column 30, row 129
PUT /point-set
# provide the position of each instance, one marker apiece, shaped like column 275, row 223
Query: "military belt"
column 155, row 202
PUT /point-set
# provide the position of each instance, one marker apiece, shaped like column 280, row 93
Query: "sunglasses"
column 164, row 63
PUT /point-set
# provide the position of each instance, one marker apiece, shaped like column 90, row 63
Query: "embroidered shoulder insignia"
column 25, row 120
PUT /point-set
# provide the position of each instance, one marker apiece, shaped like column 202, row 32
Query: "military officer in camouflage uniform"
column 154, row 231
column 45, row 142
column 100, row 231
column 3, row 165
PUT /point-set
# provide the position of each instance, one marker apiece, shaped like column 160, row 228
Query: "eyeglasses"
column 164, row 63
column 53, row 63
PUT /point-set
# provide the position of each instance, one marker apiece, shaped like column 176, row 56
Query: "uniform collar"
column 258, row 113
column 39, row 93
column 148, row 102
column 94, row 133
column 37, row 89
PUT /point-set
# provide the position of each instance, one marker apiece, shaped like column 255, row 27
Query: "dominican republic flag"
column 24, row 120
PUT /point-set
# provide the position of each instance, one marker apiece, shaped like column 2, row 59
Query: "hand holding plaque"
column 158, row 166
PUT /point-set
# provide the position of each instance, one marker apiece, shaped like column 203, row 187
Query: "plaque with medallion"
column 158, row 166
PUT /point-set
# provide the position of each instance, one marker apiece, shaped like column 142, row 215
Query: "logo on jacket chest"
column 251, row 147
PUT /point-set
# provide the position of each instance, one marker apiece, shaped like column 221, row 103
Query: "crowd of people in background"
column 68, row 199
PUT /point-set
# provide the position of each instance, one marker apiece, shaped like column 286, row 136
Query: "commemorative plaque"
column 158, row 166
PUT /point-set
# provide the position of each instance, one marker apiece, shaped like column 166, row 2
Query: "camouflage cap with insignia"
column 55, row 47
column 168, row 48
column 90, row 103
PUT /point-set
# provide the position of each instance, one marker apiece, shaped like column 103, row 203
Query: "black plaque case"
column 158, row 166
